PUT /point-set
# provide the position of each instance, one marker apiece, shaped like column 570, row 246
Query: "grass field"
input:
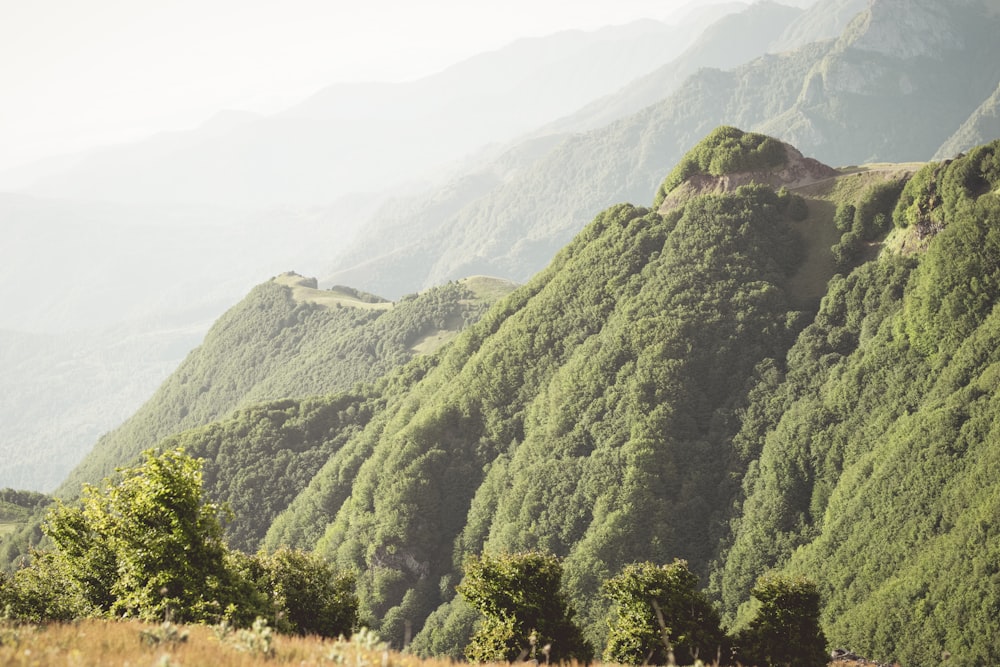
column 130, row 643
column 103, row 643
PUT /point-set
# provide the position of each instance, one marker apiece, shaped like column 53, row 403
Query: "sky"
column 75, row 74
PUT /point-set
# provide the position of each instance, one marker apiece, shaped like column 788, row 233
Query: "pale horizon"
column 78, row 78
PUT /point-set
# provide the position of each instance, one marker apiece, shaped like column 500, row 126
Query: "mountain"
column 289, row 339
column 730, row 41
column 339, row 141
column 819, row 22
column 781, row 365
column 845, row 101
column 103, row 301
column 981, row 126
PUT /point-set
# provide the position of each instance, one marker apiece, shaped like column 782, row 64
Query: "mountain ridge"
column 661, row 391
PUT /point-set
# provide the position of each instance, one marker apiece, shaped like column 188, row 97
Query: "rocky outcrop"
column 797, row 171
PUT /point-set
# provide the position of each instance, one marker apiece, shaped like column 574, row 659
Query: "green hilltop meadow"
column 777, row 368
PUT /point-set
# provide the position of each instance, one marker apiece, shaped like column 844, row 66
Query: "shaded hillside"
column 982, row 126
column 579, row 416
column 287, row 338
column 848, row 101
column 872, row 453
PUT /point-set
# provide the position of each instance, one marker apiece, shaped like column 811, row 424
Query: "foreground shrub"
column 525, row 613
column 146, row 545
column 306, row 595
column 785, row 631
column 660, row 615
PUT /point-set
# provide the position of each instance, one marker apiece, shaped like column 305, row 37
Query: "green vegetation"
column 525, row 614
column 726, row 150
column 785, row 630
column 662, row 391
column 145, row 545
column 660, row 616
column 867, row 219
column 18, row 506
column 259, row 458
column 868, row 455
column 303, row 594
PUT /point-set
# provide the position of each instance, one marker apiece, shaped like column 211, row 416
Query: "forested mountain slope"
column 663, row 389
column 874, row 453
column 588, row 413
column 781, row 366
column 900, row 80
column 288, row 339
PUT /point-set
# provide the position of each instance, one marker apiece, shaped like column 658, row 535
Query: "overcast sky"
column 79, row 73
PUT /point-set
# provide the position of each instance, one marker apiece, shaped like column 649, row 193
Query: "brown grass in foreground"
column 133, row 644
column 97, row 643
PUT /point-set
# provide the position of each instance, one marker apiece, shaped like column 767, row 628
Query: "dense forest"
column 795, row 381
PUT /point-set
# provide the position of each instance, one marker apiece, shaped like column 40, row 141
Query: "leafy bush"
column 660, row 615
column 785, row 630
column 525, row 613
column 306, row 594
column 146, row 545
column 726, row 150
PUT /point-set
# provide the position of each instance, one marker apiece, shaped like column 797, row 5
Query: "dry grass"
column 99, row 643
column 488, row 288
column 304, row 292
column 121, row 643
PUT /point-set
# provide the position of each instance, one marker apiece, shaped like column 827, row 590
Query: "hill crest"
column 796, row 171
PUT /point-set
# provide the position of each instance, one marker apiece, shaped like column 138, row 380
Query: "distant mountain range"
column 900, row 83
column 369, row 137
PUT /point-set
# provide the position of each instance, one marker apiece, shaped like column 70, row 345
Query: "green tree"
column 525, row 613
column 659, row 611
column 306, row 594
column 146, row 545
column 785, row 630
